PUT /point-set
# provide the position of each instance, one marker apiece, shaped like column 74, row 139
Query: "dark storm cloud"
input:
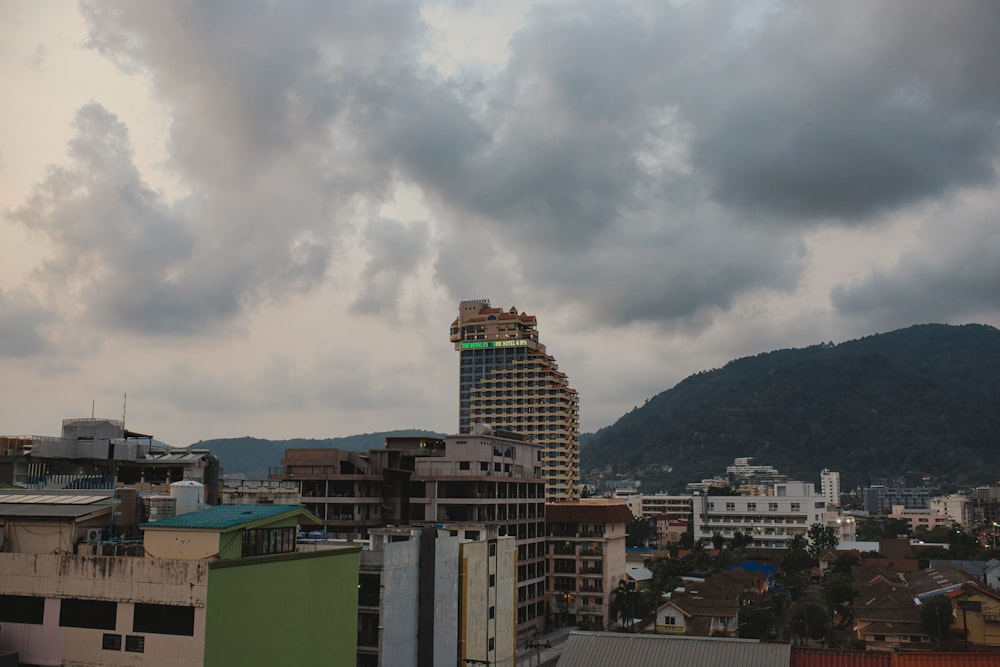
column 22, row 323
column 846, row 110
column 652, row 164
column 395, row 250
column 949, row 277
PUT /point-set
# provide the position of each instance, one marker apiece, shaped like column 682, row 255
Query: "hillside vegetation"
column 251, row 458
column 919, row 401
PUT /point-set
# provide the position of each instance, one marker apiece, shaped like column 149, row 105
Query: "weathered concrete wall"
column 105, row 578
column 181, row 544
column 400, row 578
column 121, row 580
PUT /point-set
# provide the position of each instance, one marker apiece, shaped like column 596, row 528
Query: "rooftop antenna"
column 124, row 405
column 92, row 404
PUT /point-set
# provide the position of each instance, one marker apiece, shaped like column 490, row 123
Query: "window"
column 135, row 643
column 821, row 504
column 492, row 612
column 163, row 619
column 463, row 465
column 796, row 507
column 711, row 506
column 880, row 638
column 22, row 609
column 730, row 507
column 772, row 507
column 111, row 642
column 751, row 507
column 264, row 541
column 493, row 580
column 492, row 644
column 94, row 614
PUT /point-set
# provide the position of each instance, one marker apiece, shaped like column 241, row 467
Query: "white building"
column 830, row 486
column 771, row 521
column 954, row 506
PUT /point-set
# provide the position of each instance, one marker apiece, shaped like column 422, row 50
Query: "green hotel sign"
column 479, row 345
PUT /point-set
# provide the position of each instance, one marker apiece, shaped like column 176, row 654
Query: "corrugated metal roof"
column 224, row 516
column 608, row 649
column 23, row 510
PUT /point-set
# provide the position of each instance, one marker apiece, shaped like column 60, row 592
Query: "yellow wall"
column 181, row 544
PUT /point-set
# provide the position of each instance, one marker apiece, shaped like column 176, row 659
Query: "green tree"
column 718, row 541
column 844, row 563
column 963, row 544
column 796, row 557
column 837, row 588
column 741, row 540
column 821, row 537
column 809, row 620
column 637, row 533
column 936, row 615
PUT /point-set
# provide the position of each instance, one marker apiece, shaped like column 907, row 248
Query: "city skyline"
column 257, row 220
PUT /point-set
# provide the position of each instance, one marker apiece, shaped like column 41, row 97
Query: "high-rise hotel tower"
column 508, row 381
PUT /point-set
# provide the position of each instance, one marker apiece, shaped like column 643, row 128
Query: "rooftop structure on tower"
column 508, row 381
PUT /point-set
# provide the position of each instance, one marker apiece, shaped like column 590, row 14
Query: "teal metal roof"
column 222, row 517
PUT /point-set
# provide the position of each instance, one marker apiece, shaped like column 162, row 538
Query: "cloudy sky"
column 257, row 218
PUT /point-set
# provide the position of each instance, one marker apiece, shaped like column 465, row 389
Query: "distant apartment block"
column 508, row 381
column 829, row 483
column 586, row 558
column 770, row 521
column 674, row 508
column 879, row 499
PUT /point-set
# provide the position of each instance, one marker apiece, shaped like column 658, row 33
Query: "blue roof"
column 224, row 516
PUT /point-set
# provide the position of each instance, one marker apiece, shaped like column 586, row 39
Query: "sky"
column 258, row 218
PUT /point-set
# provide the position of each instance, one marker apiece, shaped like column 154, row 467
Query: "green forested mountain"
column 251, row 457
column 922, row 400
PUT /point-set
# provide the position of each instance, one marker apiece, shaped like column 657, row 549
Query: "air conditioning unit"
column 95, row 534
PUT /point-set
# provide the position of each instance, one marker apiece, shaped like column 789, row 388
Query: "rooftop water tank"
column 190, row 496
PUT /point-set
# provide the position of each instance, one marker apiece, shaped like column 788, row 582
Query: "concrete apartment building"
column 586, row 559
column 221, row 586
column 771, row 521
column 881, row 498
column 829, row 484
column 673, row 508
column 478, row 486
column 509, row 381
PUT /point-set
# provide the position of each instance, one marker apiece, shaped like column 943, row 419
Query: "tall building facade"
column 830, row 485
column 508, row 381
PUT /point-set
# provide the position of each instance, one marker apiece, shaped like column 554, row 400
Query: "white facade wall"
column 954, row 506
column 830, row 486
column 771, row 521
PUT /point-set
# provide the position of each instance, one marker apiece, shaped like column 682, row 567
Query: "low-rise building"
column 927, row 519
column 770, row 521
column 220, row 586
column 586, row 559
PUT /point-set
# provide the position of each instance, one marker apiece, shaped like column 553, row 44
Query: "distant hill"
column 919, row 401
column 252, row 457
